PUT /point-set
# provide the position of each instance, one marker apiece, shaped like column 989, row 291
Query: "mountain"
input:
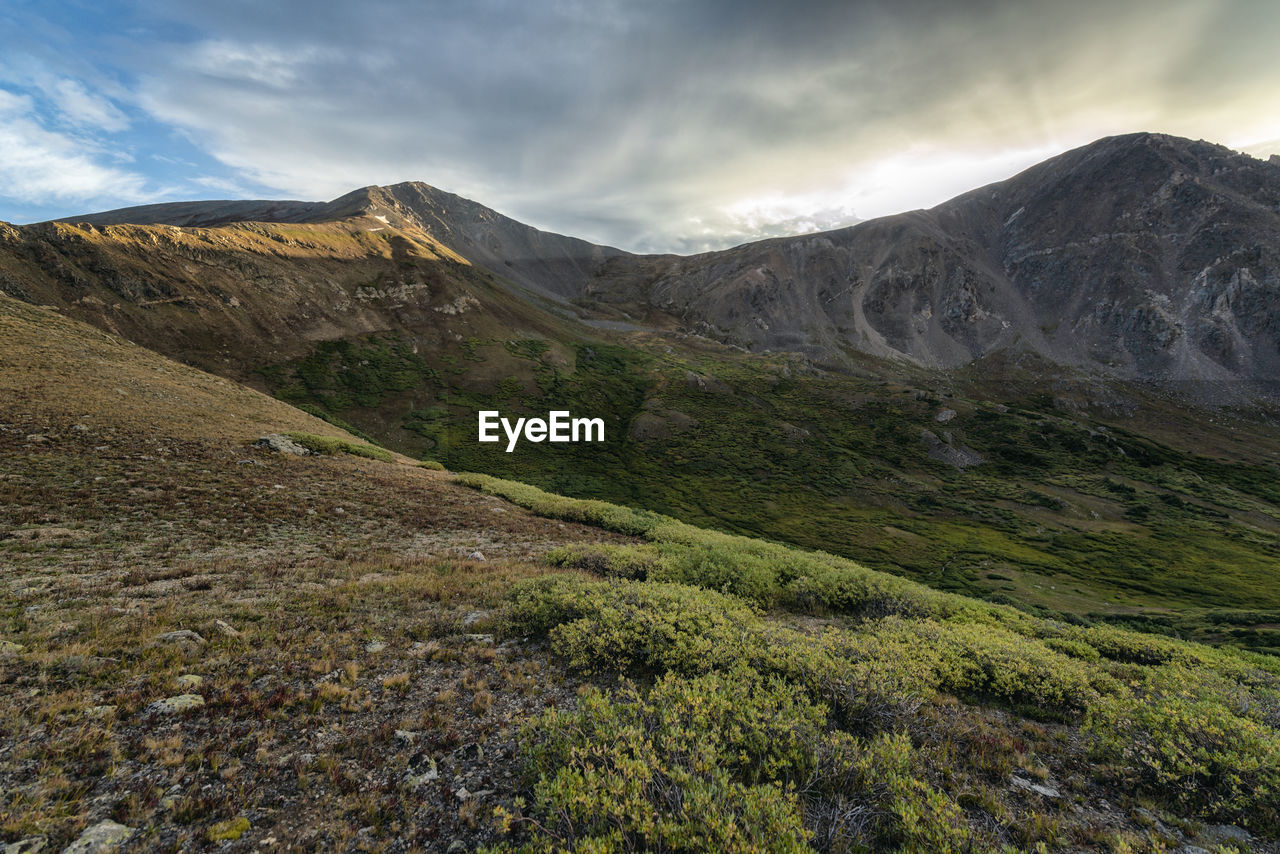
column 1004, row 359
column 549, row 264
column 909, row 623
column 1145, row 257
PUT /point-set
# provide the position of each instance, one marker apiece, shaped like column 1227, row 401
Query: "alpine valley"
column 952, row 493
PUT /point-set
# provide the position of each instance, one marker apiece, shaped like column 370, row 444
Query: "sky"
column 652, row 125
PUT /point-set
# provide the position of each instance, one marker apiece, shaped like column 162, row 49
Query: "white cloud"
column 86, row 109
column 39, row 165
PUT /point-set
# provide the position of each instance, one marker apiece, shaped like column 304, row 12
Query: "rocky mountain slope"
column 1144, row 257
column 549, row 264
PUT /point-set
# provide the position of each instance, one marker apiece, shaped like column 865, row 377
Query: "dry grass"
column 128, row 514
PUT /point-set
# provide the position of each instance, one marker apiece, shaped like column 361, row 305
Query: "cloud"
column 81, row 107
column 39, row 164
column 685, row 124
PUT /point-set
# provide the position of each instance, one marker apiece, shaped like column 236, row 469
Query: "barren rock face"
column 1148, row 257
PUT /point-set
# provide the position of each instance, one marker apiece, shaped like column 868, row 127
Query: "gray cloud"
column 687, row 125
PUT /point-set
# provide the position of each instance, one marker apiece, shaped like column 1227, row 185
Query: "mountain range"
column 949, row 531
column 1142, row 257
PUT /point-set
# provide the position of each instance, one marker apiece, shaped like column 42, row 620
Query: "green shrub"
column 334, row 445
column 609, row 560
column 1196, row 742
column 866, row 798
column 873, row 678
column 703, row 764
column 1074, row 648
column 714, row 763
column 433, row 465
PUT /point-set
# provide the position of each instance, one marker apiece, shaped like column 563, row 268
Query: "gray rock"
column 472, row 751
column 476, row 555
column 1231, row 833
column 189, row 681
column 30, row 845
column 422, row 775
column 226, row 629
column 954, row 455
column 406, row 737
column 175, row 705
column 282, row 445
column 375, row 646
column 944, row 416
column 1038, row 788
column 102, row 837
column 181, row 636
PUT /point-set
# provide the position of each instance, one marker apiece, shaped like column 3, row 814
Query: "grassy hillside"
column 208, row 646
column 1080, row 505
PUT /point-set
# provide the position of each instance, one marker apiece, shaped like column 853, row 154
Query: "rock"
column 282, row 445
column 1038, row 788
column 182, row 636
column 457, row 846
column 462, row 794
column 226, row 629
column 171, row 797
column 423, row 648
column 471, row 751
column 100, row 712
column 405, row 737
column 231, row 829
column 102, row 837
column 10, row 648
column 189, row 681
column 1230, row 833
column 175, row 705
column 422, row 774
column 30, row 845
column 375, row 646
column 954, row 455
column 476, row 555
column 473, row 617
column 944, row 416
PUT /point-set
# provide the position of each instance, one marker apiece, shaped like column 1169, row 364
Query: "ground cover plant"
column 209, row 646
column 1094, row 500
column 1191, row 730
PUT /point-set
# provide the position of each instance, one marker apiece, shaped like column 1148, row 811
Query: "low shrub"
column 1195, row 742
column 704, row 764
column 334, row 445
column 866, row 798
